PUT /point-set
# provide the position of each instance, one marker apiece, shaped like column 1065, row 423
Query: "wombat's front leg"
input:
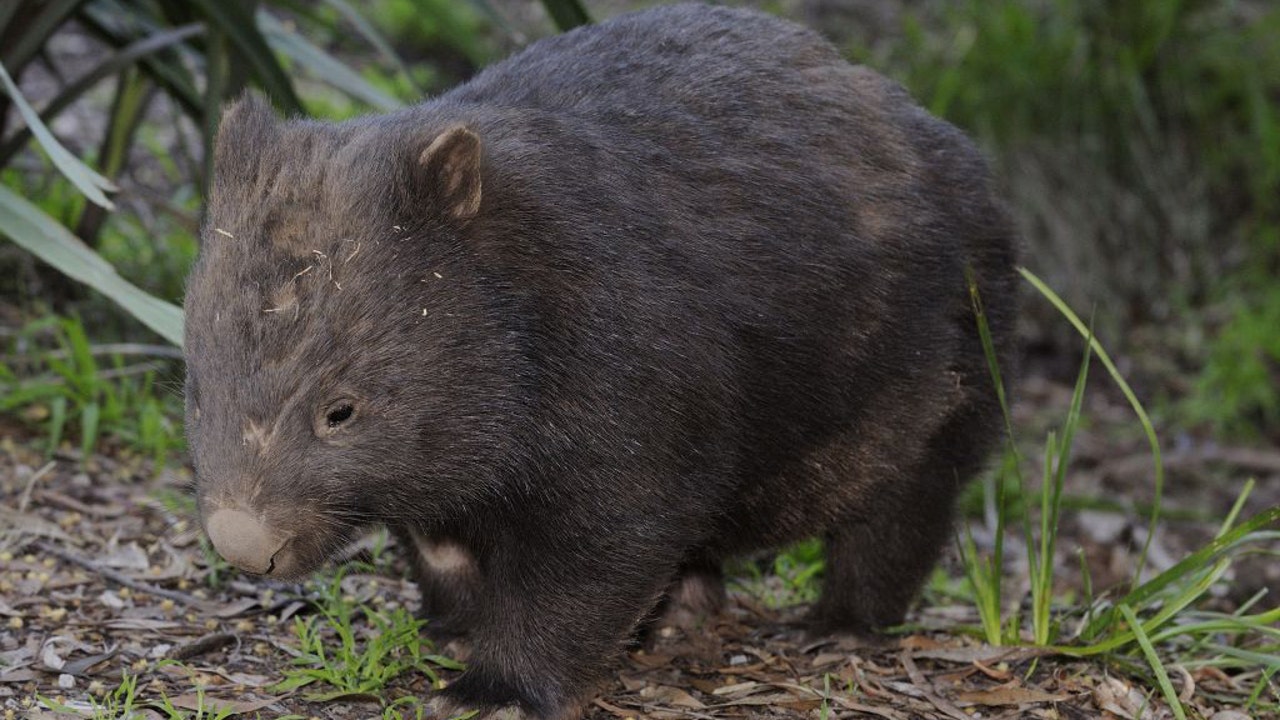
column 556, row 610
column 449, row 580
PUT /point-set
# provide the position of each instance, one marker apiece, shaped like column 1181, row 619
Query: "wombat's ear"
column 449, row 169
column 248, row 127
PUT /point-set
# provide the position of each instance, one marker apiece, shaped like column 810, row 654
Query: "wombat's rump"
column 646, row 295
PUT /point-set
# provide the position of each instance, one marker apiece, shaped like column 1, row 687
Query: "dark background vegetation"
column 1138, row 142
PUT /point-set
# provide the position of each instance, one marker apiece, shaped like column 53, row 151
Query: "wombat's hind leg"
column 449, row 579
column 697, row 594
column 694, row 596
column 881, row 554
column 877, row 562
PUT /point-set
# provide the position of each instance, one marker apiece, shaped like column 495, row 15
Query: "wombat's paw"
column 458, row 648
column 443, row 708
column 491, row 699
column 695, row 597
column 849, row 630
column 441, row 632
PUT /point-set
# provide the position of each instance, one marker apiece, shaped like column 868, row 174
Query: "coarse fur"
column 647, row 295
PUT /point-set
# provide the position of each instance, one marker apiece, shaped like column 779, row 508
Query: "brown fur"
column 647, row 295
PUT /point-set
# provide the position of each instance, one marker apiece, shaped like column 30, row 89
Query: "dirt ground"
column 101, row 573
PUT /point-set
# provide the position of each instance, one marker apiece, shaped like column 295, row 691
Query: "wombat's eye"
column 338, row 414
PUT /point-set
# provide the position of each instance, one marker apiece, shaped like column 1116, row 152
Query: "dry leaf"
column 128, row 557
column 738, row 688
column 772, row 699
column 211, row 706
column 18, row 675
column 617, row 711
column 673, row 696
column 1118, row 698
column 82, row 666
column 828, row 659
column 236, row 608
column 920, row 642
column 632, row 683
column 1009, row 696
column 16, row 525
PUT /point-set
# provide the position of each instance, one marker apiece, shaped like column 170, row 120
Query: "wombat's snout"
column 246, row 542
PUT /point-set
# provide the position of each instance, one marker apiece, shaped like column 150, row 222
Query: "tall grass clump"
column 1155, row 622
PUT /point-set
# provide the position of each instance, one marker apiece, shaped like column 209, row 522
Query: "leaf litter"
column 102, row 579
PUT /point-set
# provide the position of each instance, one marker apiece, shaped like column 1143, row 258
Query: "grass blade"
column 1205, row 564
column 1157, row 667
column 47, row 239
column 234, row 21
column 1167, row 612
column 112, row 65
column 372, row 36
column 35, row 35
column 168, row 68
column 1057, row 456
column 57, row 420
column 986, row 579
column 323, row 65
column 1141, row 412
column 85, row 179
column 89, row 415
column 1201, row 558
column 1238, row 505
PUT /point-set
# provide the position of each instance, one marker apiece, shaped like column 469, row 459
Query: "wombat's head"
column 348, row 358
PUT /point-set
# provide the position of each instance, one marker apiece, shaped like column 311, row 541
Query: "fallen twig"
column 119, row 577
column 204, row 644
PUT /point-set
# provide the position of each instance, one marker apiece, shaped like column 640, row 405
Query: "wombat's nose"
column 244, row 541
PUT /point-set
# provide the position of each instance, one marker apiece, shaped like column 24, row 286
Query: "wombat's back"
column 794, row 228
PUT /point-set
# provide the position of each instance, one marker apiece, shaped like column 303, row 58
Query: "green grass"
column 350, row 650
column 119, row 703
column 1236, row 393
column 58, row 382
column 791, row 576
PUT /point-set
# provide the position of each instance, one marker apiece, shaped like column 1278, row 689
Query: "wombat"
column 649, row 294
